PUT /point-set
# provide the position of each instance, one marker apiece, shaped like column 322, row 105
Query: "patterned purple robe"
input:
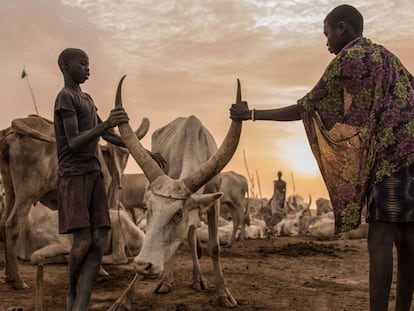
column 359, row 120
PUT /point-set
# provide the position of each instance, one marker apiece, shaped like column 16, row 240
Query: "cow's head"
column 169, row 206
column 170, row 202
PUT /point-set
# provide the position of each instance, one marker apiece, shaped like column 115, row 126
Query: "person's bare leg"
column 380, row 244
column 90, row 269
column 82, row 240
column 405, row 274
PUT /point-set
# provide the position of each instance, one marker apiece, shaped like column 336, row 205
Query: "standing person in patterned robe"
column 277, row 202
column 359, row 120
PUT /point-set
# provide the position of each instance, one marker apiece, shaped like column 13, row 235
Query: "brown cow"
column 131, row 194
column 28, row 164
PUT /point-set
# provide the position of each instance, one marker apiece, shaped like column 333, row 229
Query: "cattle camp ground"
column 280, row 273
column 283, row 264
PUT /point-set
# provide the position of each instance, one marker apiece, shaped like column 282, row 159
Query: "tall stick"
column 293, row 183
column 258, row 184
column 25, row 76
column 251, row 178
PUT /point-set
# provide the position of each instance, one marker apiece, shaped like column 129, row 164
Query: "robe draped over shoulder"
column 359, row 120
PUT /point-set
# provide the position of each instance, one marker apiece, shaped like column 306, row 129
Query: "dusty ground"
column 293, row 274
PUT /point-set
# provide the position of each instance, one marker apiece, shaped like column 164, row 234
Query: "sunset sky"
column 183, row 58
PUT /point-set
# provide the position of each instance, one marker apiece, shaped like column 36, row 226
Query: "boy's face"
column 77, row 68
column 334, row 36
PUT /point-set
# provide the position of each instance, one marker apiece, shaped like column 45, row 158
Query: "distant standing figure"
column 277, row 202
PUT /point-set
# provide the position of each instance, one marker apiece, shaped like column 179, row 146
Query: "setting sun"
column 300, row 158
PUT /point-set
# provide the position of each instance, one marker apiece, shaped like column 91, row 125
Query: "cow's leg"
column 380, row 246
column 223, row 295
column 199, row 283
column 8, row 198
column 238, row 217
column 8, row 206
column 236, row 222
column 13, row 228
column 405, row 274
column 118, row 244
column 240, row 212
column 52, row 253
column 84, row 263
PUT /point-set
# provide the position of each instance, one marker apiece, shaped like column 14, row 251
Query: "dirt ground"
column 283, row 273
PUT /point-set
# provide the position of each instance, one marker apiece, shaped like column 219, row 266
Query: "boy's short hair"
column 348, row 14
column 68, row 54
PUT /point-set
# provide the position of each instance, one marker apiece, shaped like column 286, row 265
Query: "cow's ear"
column 204, row 201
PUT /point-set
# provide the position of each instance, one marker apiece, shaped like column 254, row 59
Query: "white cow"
column 323, row 206
column 41, row 242
column 234, row 201
column 175, row 199
column 256, row 230
column 293, row 222
column 322, row 227
column 225, row 229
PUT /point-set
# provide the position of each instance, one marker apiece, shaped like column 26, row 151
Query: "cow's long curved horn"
column 220, row 159
column 143, row 128
column 144, row 160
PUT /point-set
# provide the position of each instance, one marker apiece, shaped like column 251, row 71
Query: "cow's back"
column 185, row 144
column 234, row 187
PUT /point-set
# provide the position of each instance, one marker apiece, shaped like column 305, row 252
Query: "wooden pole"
column 31, row 92
column 39, row 288
column 125, row 301
column 258, row 184
column 251, row 178
column 293, row 184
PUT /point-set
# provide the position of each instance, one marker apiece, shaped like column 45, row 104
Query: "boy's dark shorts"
column 82, row 202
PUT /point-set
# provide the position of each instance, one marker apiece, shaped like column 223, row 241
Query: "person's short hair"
column 68, row 54
column 348, row 14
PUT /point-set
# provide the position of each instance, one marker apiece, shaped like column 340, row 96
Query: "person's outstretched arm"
column 242, row 112
column 78, row 139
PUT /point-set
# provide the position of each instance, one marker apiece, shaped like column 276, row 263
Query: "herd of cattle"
column 151, row 213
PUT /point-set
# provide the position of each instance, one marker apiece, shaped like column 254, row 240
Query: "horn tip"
column 238, row 95
column 118, row 100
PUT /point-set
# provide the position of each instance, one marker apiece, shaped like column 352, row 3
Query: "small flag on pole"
column 24, row 74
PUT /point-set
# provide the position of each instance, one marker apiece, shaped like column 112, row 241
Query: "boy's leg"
column 380, row 244
column 90, row 268
column 82, row 240
column 405, row 275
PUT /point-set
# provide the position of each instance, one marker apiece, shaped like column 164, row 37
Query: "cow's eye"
column 178, row 216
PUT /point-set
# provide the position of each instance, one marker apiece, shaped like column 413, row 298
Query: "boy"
column 82, row 200
column 359, row 120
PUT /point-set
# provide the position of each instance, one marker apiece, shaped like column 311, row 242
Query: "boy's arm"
column 112, row 137
column 77, row 140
